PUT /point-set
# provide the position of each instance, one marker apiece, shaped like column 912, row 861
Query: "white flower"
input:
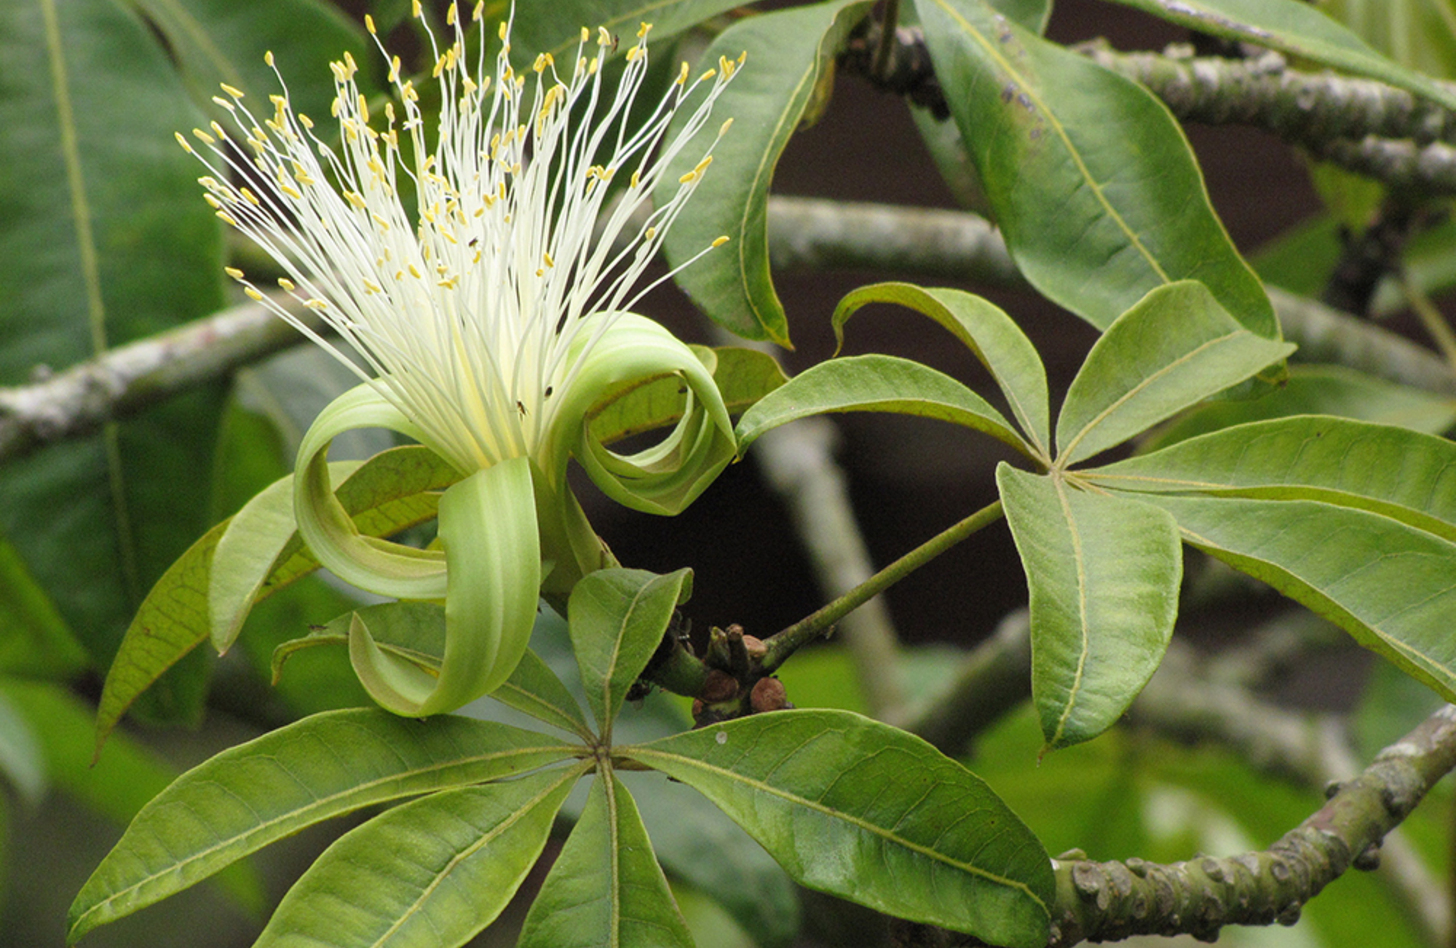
column 491, row 319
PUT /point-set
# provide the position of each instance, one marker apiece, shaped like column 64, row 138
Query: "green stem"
column 1431, row 317
column 885, row 50
column 779, row 646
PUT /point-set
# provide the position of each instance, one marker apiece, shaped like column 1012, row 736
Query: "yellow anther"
column 371, row 287
column 212, row 202
column 636, row 181
column 634, row 54
column 383, row 224
column 585, row 34
column 703, row 165
column 688, row 178
column 649, row 233
column 203, row 137
column 603, row 37
column 226, row 218
column 720, row 241
column 369, row 25
column 233, row 91
column 233, row 272
column 286, row 284
column 415, row 10
column 394, row 69
column 218, row 130
column 707, row 75
column 450, row 15
column 349, row 62
column 290, row 191
column 726, row 125
column 478, row 12
column 219, row 100
column 315, row 304
column 363, row 108
column 501, row 32
column 305, row 121
column 253, row 294
column 334, row 107
column 186, row 145
column 682, row 74
column 268, row 58
column 250, row 197
column 549, row 261
column 414, row 272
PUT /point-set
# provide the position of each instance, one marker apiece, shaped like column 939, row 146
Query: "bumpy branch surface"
column 1106, row 901
column 130, row 378
column 1366, row 126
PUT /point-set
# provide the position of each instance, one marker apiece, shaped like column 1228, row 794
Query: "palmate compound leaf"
column 788, row 53
column 428, row 874
column 1089, row 176
column 1103, row 574
column 391, row 491
column 872, row 814
column 259, row 792
column 606, row 888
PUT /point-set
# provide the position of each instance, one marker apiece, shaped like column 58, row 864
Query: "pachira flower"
column 491, row 321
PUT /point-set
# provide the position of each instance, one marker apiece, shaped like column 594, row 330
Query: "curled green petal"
column 489, row 532
column 379, row 566
column 668, row 476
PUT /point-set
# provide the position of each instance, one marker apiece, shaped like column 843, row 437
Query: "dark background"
column 912, row 478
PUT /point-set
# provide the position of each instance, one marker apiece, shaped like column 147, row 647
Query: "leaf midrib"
column 1064, row 455
column 647, row 752
column 319, row 803
column 1061, row 133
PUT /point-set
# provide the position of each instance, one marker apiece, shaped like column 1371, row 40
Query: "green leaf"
column 430, row 873
column 787, row 53
column 21, row 762
column 1390, row 585
column 606, row 887
column 987, row 331
column 98, row 210
column 392, row 491
column 695, row 841
column 743, row 377
column 217, row 41
column 867, row 812
column 555, row 27
column 617, row 618
column 1103, row 576
column 877, row 383
column 1399, row 474
column 1300, row 30
column 1175, row 348
column 34, row 639
column 415, row 632
column 699, row 844
column 271, row 787
column 1090, row 178
column 1317, row 390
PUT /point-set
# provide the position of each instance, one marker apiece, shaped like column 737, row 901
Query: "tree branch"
column 1105, row 901
column 1366, row 126
column 131, row 378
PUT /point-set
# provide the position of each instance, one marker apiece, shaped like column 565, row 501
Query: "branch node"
column 1369, row 858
